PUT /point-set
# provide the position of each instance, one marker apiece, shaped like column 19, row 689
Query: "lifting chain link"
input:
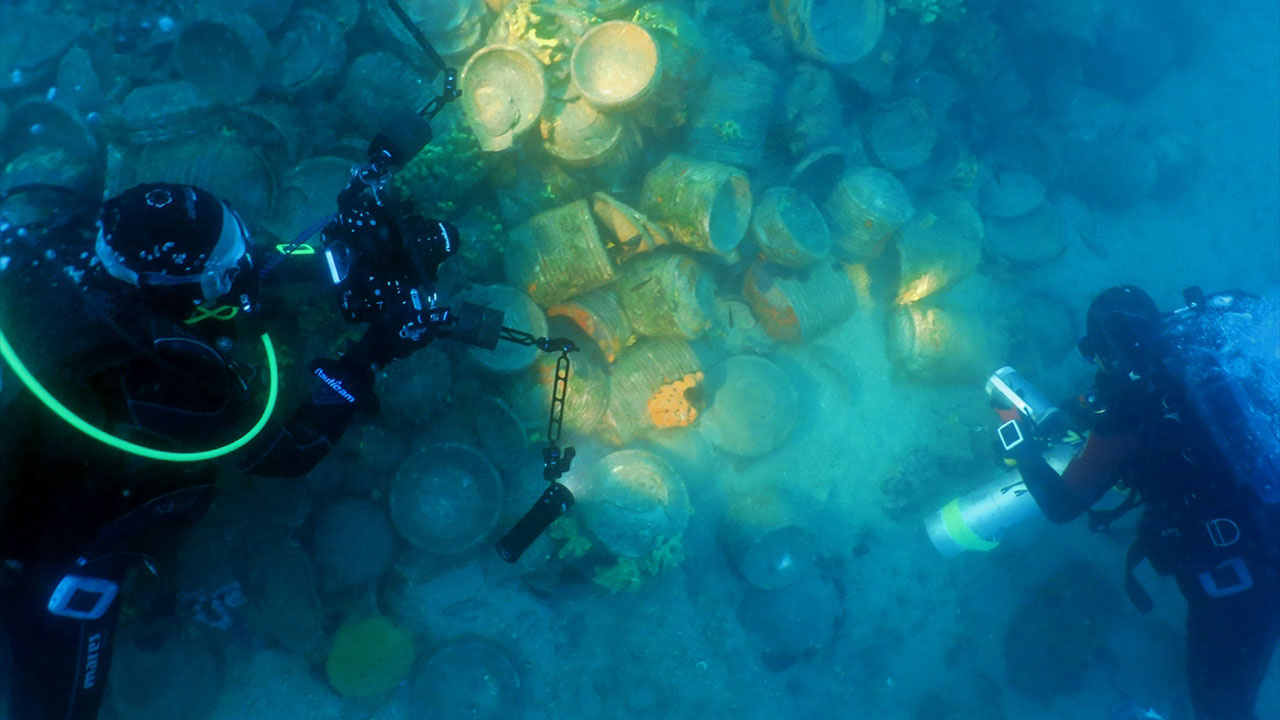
column 555, row 461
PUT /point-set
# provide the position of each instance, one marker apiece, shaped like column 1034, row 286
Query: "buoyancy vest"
column 1210, row 451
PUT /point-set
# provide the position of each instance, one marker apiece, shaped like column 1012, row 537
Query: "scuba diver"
column 1191, row 430
column 118, row 461
column 109, row 461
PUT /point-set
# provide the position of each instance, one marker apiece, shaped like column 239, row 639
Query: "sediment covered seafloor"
column 792, row 239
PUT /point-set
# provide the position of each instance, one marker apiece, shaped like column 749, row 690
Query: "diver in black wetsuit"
column 157, row 363
column 1200, row 451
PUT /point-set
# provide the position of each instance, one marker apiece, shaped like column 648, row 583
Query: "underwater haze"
column 791, row 239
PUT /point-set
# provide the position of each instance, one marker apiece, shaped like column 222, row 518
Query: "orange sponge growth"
column 369, row 657
column 676, row 404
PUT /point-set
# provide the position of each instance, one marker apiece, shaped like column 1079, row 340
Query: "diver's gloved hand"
column 347, row 380
column 1030, row 450
column 1052, row 429
column 399, row 333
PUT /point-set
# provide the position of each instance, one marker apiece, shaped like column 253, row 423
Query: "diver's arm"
column 298, row 444
column 1083, row 482
column 339, row 388
column 1051, row 494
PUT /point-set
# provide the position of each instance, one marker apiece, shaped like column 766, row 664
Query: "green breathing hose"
column 62, row 411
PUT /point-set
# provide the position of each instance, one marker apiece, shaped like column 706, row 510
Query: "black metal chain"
column 545, row 344
column 555, row 461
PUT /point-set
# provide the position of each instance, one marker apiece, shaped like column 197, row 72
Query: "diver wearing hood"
column 1192, row 440
column 155, row 371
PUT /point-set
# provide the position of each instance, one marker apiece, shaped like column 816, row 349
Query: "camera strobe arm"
column 557, row 498
column 418, row 37
column 479, row 326
column 450, row 91
column 545, row 344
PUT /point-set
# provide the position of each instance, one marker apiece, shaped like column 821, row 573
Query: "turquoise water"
column 766, row 557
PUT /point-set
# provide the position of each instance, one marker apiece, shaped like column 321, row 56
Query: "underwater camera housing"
column 980, row 520
column 383, row 256
column 1007, row 388
column 384, row 263
column 381, row 259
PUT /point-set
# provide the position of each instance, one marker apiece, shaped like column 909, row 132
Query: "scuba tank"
column 980, row 520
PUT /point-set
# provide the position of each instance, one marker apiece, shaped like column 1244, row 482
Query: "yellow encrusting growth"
column 369, row 657
column 573, row 543
column 728, row 130
column 629, row 574
column 443, row 171
column 920, row 288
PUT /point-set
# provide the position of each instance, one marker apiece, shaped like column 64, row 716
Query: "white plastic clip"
column 1010, row 435
column 82, row 598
